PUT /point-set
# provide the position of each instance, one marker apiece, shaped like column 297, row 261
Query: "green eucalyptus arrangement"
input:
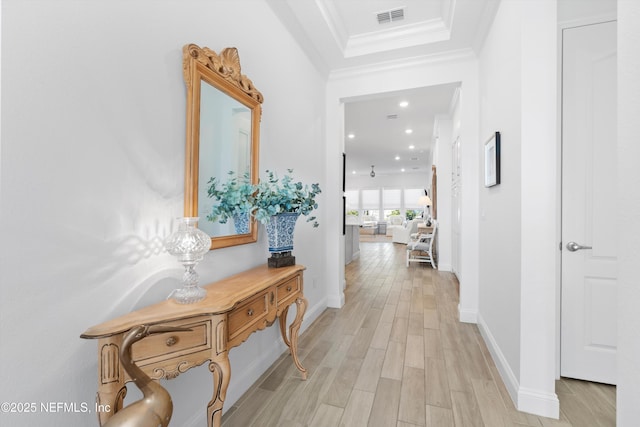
column 234, row 197
column 276, row 195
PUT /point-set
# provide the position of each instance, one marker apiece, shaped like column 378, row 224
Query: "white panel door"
column 588, row 319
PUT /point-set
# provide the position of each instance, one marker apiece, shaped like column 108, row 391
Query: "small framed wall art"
column 492, row 160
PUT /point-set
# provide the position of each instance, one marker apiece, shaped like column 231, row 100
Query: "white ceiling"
column 380, row 139
column 342, row 34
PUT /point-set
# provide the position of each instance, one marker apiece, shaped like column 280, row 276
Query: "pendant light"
column 373, row 174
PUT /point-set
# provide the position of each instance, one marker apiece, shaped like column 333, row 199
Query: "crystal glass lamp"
column 188, row 244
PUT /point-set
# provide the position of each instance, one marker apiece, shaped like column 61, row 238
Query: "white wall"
column 410, row 180
column 92, row 175
column 628, row 390
column 442, row 161
column 517, row 217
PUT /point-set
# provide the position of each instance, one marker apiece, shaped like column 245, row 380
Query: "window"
column 411, row 214
column 371, row 203
column 391, row 201
column 353, row 202
column 411, row 196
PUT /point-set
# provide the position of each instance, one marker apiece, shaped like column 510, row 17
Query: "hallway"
column 395, row 356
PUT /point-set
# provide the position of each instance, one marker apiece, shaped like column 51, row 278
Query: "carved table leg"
column 283, row 326
column 221, row 370
column 111, row 385
column 301, row 304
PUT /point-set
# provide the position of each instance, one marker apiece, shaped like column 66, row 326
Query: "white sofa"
column 394, row 221
column 403, row 234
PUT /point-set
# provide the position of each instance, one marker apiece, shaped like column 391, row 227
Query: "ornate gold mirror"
column 223, row 136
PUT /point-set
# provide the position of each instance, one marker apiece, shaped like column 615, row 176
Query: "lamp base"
column 281, row 259
column 188, row 294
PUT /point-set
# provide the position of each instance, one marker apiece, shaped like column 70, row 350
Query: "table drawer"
column 171, row 344
column 248, row 313
column 288, row 288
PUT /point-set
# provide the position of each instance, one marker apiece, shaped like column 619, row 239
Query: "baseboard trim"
column 444, row 267
column 539, row 403
column 467, row 316
column 528, row 400
column 504, row 369
column 196, row 419
column 336, row 301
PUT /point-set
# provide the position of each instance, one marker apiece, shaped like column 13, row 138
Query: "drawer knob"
column 289, row 288
column 250, row 312
column 171, row 341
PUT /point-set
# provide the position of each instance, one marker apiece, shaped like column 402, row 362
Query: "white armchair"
column 394, row 221
column 369, row 221
column 403, row 234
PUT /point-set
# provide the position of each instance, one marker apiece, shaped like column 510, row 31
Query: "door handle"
column 573, row 246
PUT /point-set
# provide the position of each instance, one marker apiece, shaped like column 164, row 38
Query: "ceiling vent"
column 392, row 116
column 390, row 16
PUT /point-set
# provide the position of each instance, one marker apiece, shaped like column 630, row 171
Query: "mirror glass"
column 223, row 118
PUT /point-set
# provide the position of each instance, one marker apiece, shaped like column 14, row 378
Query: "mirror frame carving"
column 222, row 72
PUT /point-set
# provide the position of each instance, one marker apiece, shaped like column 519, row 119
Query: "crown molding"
column 416, row 61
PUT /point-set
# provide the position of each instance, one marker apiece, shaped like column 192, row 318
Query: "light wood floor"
column 395, row 356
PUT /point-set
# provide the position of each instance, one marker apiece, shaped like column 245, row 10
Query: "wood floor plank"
column 370, row 371
column 381, row 335
column 414, row 352
column 342, row 385
column 595, row 398
column 465, row 409
column 384, row 412
column 492, row 409
column 432, row 344
column 303, row 405
column 393, row 361
column 431, row 318
column 437, row 392
column 358, row 409
column 412, row 397
column 388, row 313
column 456, row 372
column 250, row 407
column 416, row 323
column 579, row 412
column 400, row 329
column 270, row 414
column 397, row 355
column 360, row 344
column 326, row 415
column 338, row 352
column 438, row 417
column 403, row 308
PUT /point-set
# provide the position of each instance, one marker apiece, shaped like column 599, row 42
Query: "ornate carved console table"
column 233, row 309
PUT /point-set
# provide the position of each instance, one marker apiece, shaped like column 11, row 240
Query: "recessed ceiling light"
column 404, row 104
column 353, row 172
column 351, row 136
column 397, row 157
column 408, row 131
column 411, row 147
column 402, row 170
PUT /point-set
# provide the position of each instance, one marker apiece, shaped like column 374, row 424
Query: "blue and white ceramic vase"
column 241, row 222
column 280, row 232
